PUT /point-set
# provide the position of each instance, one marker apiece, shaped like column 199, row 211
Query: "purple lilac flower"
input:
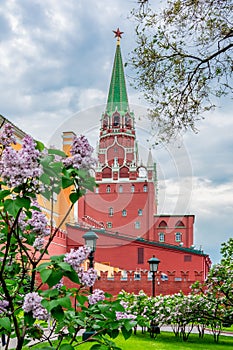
column 32, row 302
column 7, row 135
column 88, row 277
column 76, row 257
column 59, row 284
column 96, row 296
column 39, row 223
column 16, row 167
column 39, row 243
column 81, row 152
column 3, row 306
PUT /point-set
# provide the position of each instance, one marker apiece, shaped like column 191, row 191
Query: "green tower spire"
column 117, row 95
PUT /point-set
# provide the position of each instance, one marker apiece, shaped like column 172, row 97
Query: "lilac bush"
column 32, row 286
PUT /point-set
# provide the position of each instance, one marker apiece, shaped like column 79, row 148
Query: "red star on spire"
column 117, row 33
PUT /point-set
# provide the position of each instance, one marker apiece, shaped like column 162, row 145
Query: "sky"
column 55, row 68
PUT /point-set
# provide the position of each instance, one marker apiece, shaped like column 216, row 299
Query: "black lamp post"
column 90, row 238
column 154, row 264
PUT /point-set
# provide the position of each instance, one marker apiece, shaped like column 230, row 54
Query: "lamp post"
column 90, row 238
column 153, row 263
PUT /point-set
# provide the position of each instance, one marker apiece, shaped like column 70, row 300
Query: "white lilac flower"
column 89, row 277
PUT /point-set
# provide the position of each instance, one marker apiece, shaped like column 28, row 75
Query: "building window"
column 120, row 189
column 161, row 237
column 139, row 212
column 110, row 211
column 124, row 212
column 178, row 237
column 132, row 188
column 163, row 224
column 145, row 188
column 97, row 190
column 187, row 258
column 108, row 189
column 140, row 255
column 109, row 224
column 179, row 224
column 116, row 121
column 137, row 224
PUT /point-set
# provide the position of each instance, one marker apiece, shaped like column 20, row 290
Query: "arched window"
column 132, row 188
column 179, row 224
column 116, row 121
column 120, row 189
column 163, row 224
column 108, row 189
column 124, row 212
column 178, row 237
column 110, row 211
column 139, row 212
column 127, row 121
column 161, row 237
column 145, row 188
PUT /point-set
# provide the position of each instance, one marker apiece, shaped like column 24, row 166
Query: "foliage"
column 35, row 302
column 182, row 59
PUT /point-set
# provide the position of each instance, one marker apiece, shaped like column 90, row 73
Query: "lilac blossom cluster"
column 17, row 167
column 38, row 224
column 97, row 295
column 124, row 315
column 7, row 135
column 76, row 257
column 3, row 306
column 81, row 152
column 32, row 303
column 88, row 277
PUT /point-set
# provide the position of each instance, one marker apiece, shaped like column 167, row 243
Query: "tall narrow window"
column 108, row 189
column 124, row 212
column 137, row 224
column 139, row 212
column 109, row 224
column 161, row 237
column 140, row 255
column 120, row 189
column 110, row 211
column 178, row 237
column 132, row 188
column 145, row 188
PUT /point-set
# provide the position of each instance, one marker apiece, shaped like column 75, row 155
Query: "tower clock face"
column 142, row 172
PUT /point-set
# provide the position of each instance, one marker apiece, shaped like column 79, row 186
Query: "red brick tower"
column 125, row 199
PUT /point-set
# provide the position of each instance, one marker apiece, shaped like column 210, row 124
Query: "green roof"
column 117, row 95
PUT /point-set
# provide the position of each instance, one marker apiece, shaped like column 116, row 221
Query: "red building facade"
column 123, row 208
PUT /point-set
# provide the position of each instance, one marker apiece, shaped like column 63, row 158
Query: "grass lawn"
column 167, row 341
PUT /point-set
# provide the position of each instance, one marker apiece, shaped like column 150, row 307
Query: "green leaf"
column 50, row 293
column 73, row 276
column 40, row 146
column 28, row 318
column 74, row 197
column 54, row 278
column 65, row 266
column 82, row 299
column 58, row 313
column 45, row 179
column 5, row 323
column 66, row 347
column 4, row 193
column 67, row 182
column 64, row 302
column 45, row 274
column 12, row 207
column 56, row 152
column 126, row 333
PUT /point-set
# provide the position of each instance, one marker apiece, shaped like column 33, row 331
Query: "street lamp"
column 154, row 264
column 90, row 238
